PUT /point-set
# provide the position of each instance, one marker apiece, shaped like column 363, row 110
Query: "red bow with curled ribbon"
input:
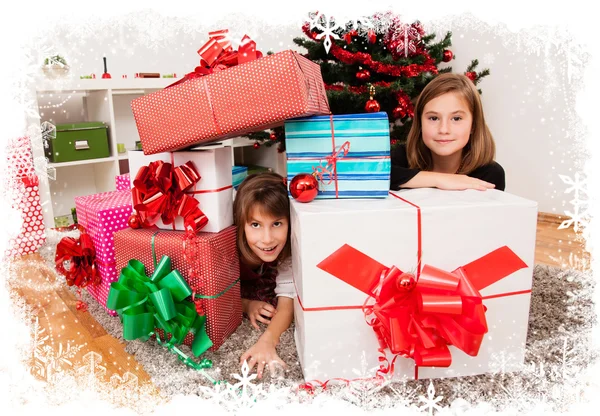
column 159, row 193
column 218, row 54
column 81, row 255
column 330, row 167
column 419, row 318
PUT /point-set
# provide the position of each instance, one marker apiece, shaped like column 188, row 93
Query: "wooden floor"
column 67, row 327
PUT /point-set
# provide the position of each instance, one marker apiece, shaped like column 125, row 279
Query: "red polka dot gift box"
column 24, row 197
column 102, row 215
column 207, row 261
column 255, row 95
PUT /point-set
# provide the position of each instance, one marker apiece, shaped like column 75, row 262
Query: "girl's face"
column 446, row 124
column 266, row 235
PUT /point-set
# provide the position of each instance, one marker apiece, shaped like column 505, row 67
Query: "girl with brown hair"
column 449, row 145
column 261, row 213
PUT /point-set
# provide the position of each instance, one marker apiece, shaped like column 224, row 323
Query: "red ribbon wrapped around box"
column 419, row 316
column 81, row 255
column 160, row 192
column 217, row 54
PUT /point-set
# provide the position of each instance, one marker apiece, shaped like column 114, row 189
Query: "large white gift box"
column 478, row 245
column 213, row 191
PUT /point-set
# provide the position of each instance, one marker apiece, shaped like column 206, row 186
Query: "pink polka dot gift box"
column 122, row 182
column 207, row 261
column 102, row 215
column 255, row 95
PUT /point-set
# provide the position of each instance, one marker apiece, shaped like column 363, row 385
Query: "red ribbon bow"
column 217, row 54
column 81, row 254
column 419, row 319
column 159, row 193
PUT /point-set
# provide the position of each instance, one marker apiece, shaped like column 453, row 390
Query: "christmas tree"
column 376, row 63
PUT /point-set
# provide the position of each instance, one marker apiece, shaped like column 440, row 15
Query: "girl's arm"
column 449, row 181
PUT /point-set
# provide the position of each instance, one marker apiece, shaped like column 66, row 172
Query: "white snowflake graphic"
column 579, row 218
column 358, row 23
column 327, row 26
column 48, row 360
column 488, row 59
column 431, row 401
column 91, row 372
column 408, row 38
column 244, row 394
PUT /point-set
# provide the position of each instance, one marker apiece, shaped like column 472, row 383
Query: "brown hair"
column 480, row 149
column 268, row 192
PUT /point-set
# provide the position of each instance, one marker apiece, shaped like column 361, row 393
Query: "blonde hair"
column 267, row 192
column 480, row 149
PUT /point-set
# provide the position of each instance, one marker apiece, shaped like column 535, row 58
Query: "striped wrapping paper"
column 238, row 173
column 364, row 172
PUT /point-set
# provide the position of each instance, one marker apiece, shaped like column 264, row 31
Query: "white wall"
column 529, row 97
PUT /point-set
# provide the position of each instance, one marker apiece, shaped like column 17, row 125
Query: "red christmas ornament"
column 256, row 145
column 371, row 36
column 447, row 55
column 399, row 111
column 134, row 222
column 363, row 75
column 471, row 75
column 273, row 136
column 406, row 282
column 304, row 187
column 372, row 105
column 348, row 36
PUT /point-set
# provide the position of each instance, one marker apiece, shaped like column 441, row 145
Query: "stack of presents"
column 417, row 283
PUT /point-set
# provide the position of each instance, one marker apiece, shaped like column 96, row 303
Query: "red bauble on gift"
column 304, row 187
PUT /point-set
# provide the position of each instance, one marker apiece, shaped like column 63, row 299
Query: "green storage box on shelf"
column 79, row 141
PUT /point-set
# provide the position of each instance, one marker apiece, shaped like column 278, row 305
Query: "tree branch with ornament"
column 377, row 63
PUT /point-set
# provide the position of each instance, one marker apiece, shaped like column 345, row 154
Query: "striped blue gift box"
column 363, row 173
column 238, row 174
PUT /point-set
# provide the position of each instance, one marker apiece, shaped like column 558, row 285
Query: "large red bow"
column 159, row 193
column 217, row 54
column 81, row 255
column 419, row 318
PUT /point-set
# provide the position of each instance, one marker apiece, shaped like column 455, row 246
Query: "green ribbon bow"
column 144, row 303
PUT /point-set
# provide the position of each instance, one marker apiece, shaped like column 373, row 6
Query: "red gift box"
column 256, row 95
column 212, row 271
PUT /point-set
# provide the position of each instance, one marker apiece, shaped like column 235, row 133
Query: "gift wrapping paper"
column 253, row 96
column 238, row 173
column 410, row 230
column 349, row 153
column 214, row 270
column 32, row 233
column 122, row 182
column 101, row 215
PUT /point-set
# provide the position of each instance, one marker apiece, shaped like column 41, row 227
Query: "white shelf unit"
column 108, row 100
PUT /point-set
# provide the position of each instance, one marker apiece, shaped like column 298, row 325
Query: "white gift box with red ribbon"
column 424, row 284
column 213, row 191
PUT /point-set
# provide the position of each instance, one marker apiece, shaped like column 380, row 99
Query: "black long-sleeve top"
column 401, row 173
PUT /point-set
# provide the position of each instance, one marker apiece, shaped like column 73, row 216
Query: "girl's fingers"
column 253, row 322
column 266, row 312
column 269, row 307
column 263, row 320
column 260, row 368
